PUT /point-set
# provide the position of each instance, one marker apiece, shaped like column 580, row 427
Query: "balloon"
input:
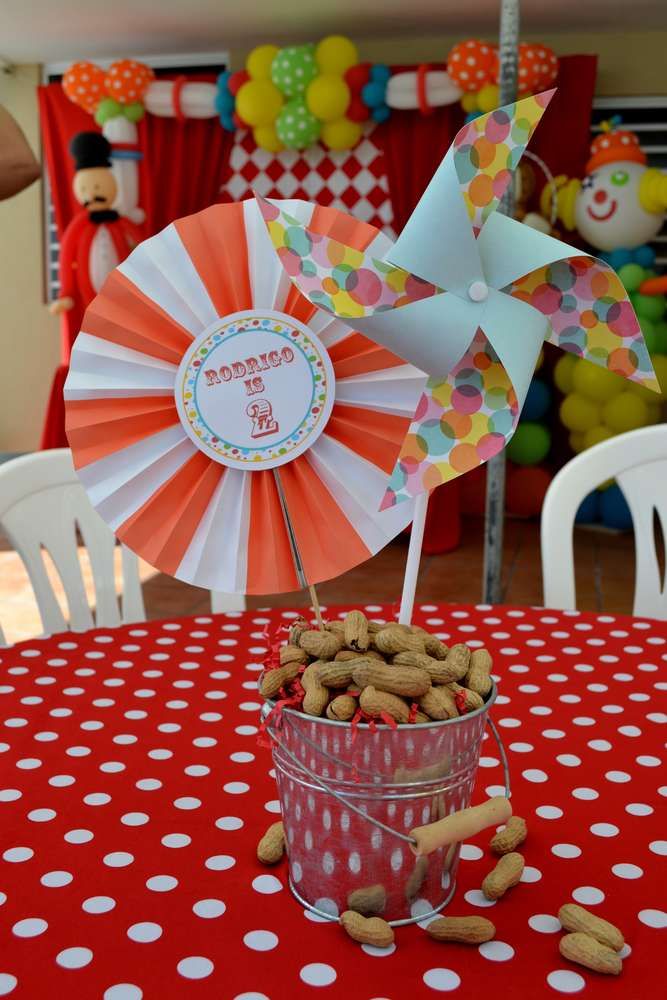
column 258, row 63
column 342, row 134
column 381, row 73
column 357, row 76
column 654, row 413
column 469, row 102
column 644, row 256
column 127, row 80
column 648, row 330
column 488, row 97
column 538, row 400
column 373, row 94
column 660, row 333
column 472, row 64
column 296, row 127
column 336, row 54
column 650, row 307
column 236, row 81
column 258, row 102
column 659, row 362
column 266, row 137
column 530, row 443
column 107, row 109
column 576, row 441
column 595, row 382
column 578, row 413
column 564, row 372
column 134, row 112
column 538, row 67
column 596, row 435
column 328, row 97
column 614, row 510
column 293, row 69
column 83, row 83
column 588, row 511
column 618, row 258
column 625, row 412
column 526, row 488
column 631, row 275
column 381, row 114
column 357, row 111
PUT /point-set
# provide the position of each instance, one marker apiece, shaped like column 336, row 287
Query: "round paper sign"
column 255, row 389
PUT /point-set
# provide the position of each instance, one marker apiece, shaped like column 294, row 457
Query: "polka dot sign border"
column 133, row 793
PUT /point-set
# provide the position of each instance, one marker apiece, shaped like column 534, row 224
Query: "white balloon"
column 608, row 213
column 439, row 90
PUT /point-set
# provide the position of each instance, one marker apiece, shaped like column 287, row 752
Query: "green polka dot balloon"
column 296, row 127
column 293, row 69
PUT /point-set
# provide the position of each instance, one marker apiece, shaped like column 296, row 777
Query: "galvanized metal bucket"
column 350, row 796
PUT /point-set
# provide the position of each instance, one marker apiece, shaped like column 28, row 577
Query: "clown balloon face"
column 95, row 188
column 608, row 211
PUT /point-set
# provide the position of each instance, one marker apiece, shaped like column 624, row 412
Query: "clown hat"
column 614, row 145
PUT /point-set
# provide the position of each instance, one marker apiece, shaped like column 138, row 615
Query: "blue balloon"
column 588, row 509
column 373, row 94
column 644, row 256
column 538, row 400
column 470, row 117
column 223, row 79
column 618, row 258
column 224, row 102
column 381, row 114
column 227, row 122
column 380, row 73
column 614, row 510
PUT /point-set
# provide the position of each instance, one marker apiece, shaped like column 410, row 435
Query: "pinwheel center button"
column 478, row 291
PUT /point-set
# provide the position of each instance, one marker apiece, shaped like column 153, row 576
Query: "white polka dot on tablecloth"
column 544, row 923
column 74, row 958
column 56, row 879
column 565, row 981
column 242, row 757
column 604, row 830
column 29, row 927
column 273, row 806
column 97, row 799
column 588, row 895
column 585, row 794
column 535, row 775
column 98, row 904
column 618, row 777
column 639, row 809
column 161, row 883
column 28, row 763
column 197, row 770
column 530, row 874
column 266, row 884
column 7, row 983
column 187, row 802
column 208, row 909
column 566, row 850
column 260, row 940
column 496, row 951
column 220, row 862
column 521, row 748
column 549, row 812
column 10, row 794
column 236, row 787
column 195, row 967
column 118, row 859
column 653, row 918
column 246, row 730
column 645, row 760
column 134, row 819
column 318, row 974
column 627, row 870
column 144, row 932
column 148, row 784
column 442, row 980
column 553, row 734
column 540, row 710
column 658, row 847
column 477, row 898
column 123, row 991
column 229, row 823
column 176, row 840
column 15, row 855
column 568, row 760
column 470, row 852
column 601, row 746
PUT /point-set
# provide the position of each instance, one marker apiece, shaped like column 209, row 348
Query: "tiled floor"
column 605, row 578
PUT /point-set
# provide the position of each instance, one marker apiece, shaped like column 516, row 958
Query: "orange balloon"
column 127, row 80
column 472, row 64
column 83, row 83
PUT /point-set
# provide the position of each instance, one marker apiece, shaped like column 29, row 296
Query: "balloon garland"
column 473, row 66
column 113, row 93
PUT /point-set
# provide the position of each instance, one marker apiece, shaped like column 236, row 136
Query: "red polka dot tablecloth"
column 133, row 792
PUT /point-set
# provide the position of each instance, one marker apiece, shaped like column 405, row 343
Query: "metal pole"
column 495, row 469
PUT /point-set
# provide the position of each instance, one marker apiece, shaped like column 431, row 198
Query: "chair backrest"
column 42, row 504
column 638, row 462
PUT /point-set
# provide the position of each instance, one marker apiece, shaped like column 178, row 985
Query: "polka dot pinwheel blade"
column 207, row 399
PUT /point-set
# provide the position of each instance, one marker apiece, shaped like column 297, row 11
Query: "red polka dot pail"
column 350, row 796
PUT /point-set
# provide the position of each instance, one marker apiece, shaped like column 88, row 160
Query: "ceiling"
column 54, row 30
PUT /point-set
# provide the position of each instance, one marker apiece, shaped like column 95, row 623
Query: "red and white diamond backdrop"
column 353, row 180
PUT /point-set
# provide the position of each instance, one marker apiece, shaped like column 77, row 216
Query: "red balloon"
column 357, row 77
column 238, row 121
column 236, row 81
column 526, row 488
column 357, row 110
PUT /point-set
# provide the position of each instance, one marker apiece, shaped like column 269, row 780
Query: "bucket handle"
column 440, row 834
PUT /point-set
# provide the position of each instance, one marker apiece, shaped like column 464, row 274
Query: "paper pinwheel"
column 467, row 295
column 230, row 431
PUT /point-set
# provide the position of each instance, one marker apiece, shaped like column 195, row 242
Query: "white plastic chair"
column 638, row 462
column 42, row 503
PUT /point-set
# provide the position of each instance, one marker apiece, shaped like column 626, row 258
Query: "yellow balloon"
column 563, row 372
column 595, row 382
column 258, row 63
column 328, row 97
column 577, row 441
column 258, row 102
column 469, row 102
column 488, row 98
column 335, row 54
column 266, row 138
column 341, row 134
column 659, row 362
column 625, row 412
column 648, row 395
column 654, row 413
column 578, row 413
column 596, row 435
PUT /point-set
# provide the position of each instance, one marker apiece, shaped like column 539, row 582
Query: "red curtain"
column 183, row 166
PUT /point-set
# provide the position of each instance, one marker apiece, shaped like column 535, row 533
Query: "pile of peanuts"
column 385, row 671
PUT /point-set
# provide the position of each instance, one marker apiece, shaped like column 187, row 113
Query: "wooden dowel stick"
column 316, row 606
column 414, row 556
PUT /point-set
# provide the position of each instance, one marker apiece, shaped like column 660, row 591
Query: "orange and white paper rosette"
column 207, row 399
